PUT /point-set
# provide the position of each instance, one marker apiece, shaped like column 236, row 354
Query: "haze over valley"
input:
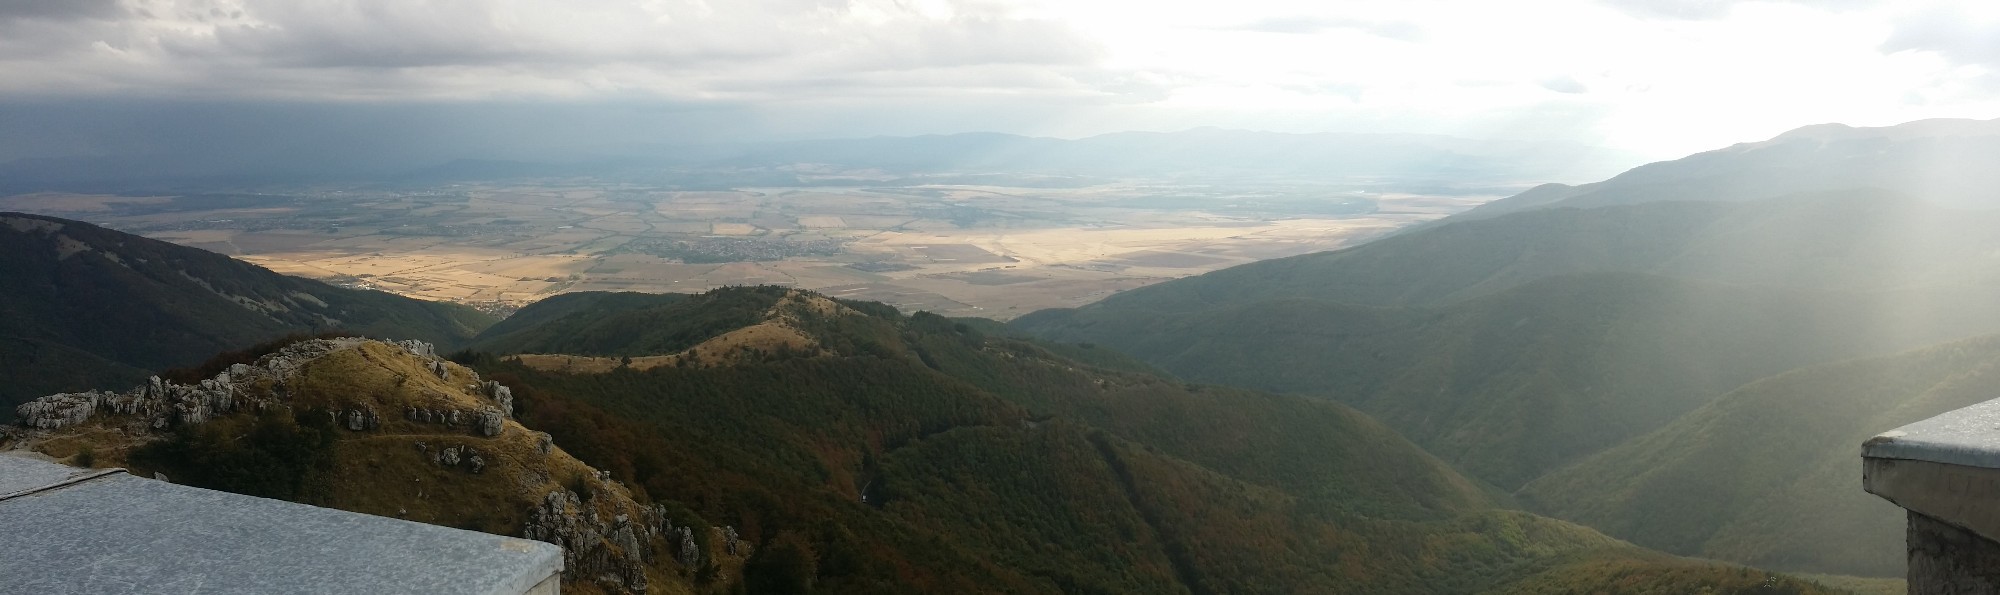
column 954, row 296
column 897, row 220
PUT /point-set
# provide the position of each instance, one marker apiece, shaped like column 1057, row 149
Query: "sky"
column 1659, row 78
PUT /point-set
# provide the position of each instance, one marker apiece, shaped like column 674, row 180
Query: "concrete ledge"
column 1946, row 472
column 1968, row 497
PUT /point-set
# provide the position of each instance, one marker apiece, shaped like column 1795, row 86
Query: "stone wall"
column 1948, row 560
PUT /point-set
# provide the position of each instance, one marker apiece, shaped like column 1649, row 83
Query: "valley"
column 990, row 251
column 1008, row 297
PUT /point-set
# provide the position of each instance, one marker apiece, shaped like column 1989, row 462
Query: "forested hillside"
column 1545, row 336
column 1577, row 343
column 85, row 307
column 1767, row 473
column 919, row 453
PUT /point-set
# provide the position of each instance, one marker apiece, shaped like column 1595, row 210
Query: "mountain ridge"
column 135, row 303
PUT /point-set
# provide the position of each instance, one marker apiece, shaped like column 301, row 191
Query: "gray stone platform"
column 71, row 530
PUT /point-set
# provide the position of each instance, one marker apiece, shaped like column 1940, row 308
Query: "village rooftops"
column 72, row 530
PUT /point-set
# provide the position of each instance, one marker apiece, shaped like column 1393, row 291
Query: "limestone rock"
column 501, row 395
column 58, row 410
column 362, row 419
column 690, row 551
column 544, row 442
column 611, row 553
column 491, row 422
column 415, row 347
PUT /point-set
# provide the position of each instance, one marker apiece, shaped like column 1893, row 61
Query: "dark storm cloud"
column 58, row 9
column 524, row 48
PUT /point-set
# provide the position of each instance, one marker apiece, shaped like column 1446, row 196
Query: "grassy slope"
column 1796, row 503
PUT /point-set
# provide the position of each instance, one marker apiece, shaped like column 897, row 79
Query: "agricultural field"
column 989, row 251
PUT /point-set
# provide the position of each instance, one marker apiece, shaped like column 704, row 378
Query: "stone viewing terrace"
column 1946, row 472
column 71, row 530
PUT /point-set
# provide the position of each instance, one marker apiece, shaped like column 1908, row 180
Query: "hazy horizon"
column 431, row 82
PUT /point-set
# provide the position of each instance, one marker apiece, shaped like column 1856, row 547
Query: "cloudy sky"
column 1657, row 77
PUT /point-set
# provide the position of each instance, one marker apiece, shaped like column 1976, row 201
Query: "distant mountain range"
column 1520, row 340
column 86, row 307
column 1945, row 161
column 1405, row 160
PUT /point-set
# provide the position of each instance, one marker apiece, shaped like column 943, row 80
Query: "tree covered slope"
column 1767, row 474
column 115, row 303
column 917, row 453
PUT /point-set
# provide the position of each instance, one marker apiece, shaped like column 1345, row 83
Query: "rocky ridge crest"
column 608, row 539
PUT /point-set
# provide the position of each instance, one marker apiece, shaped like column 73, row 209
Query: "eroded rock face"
column 611, row 551
column 491, row 422
column 418, row 348
column 161, row 403
column 361, row 419
column 59, row 410
column 501, row 395
column 488, row 422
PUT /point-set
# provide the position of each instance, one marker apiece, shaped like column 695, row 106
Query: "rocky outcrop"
column 488, row 422
column 501, row 395
column 690, row 552
column 609, row 540
column 463, row 457
column 360, row 419
column 417, row 348
column 612, row 551
column 59, row 410
column 161, row 403
column 287, row 361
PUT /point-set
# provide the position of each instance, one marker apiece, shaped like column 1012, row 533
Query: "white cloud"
column 1662, row 77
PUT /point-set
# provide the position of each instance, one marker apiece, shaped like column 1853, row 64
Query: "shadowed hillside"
column 918, row 451
column 1593, row 333
column 1766, row 474
column 87, row 307
column 1557, row 346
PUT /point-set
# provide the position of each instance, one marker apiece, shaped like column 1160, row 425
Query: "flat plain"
column 988, row 251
